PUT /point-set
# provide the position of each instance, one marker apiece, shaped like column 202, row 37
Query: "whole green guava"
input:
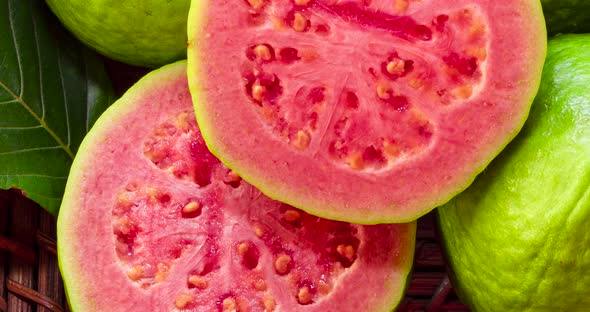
column 147, row 33
column 518, row 238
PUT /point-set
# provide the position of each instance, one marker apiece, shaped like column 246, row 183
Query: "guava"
column 566, row 16
column 517, row 239
column 148, row 33
column 152, row 221
column 362, row 111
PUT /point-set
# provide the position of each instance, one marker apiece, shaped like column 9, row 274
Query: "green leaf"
column 52, row 89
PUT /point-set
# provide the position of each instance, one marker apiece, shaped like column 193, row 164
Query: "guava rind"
column 147, row 33
column 413, row 190
column 566, row 16
column 84, row 228
column 517, row 239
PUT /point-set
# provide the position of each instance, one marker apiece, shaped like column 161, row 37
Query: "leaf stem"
column 40, row 120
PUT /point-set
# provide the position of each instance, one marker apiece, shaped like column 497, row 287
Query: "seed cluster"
column 364, row 130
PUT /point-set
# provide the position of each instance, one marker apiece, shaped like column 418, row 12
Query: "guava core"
column 147, row 33
column 517, row 239
column 363, row 111
column 151, row 221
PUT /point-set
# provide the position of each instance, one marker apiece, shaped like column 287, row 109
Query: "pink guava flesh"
column 365, row 111
column 152, row 221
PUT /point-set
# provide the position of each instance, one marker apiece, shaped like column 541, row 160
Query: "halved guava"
column 517, row 239
column 362, row 111
column 151, row 221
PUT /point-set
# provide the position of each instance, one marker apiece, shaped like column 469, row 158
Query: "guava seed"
column 259, row 284
column 304, row 295
column 192, row 209
column 300, row 22
column 258, row 231
column 384, row 92
column 249, row 254
column 263, row 88
column 391, row 149
column 256, row 4
column 395, row 67
column 355, row 161
column 257, row 91
column 183, row 121
column 346, row 251
column 162, row 272
column 282, row 264
column 198, row 281
column 261, row 53
column 229, row 305
column 183, row 300
column 303, row 139
column 232, row 179
column 401, row 5
column 135, row 273
column 463, row 92
column 292, row 215
column 269, row 303
column 302, row 2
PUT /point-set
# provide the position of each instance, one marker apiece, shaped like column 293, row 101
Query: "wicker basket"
column 29, row 275
column 30, row 279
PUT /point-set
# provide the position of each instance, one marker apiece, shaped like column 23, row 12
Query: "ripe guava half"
column 151, row 221
column 517, row 239
column 147, row 33
column 362, row 111
column 566, row 16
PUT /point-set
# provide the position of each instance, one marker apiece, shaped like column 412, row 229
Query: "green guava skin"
column 518, row 239
column 566, row 16
column 147, row 33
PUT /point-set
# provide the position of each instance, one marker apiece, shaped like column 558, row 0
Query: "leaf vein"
column 19, row 97
column 41, row 122
column 34, row 175
column 21, row 128
column 16, row 50
column 65, row 97
column 34, row 149
column 8, row 102
column 39, row 67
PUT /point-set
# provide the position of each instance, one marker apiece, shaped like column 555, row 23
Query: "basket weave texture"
column 29, row 275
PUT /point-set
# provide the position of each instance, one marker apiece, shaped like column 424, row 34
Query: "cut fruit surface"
column 151, row 221
column 364, row 111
